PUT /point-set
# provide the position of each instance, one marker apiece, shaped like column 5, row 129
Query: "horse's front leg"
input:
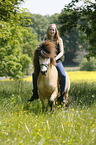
column 52, row 99
column 51, row 105
column 43, row 105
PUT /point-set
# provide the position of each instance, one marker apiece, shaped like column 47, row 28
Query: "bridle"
column 44, row 72
column 44, row 67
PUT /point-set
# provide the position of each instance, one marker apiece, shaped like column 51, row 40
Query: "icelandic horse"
column 47, row 74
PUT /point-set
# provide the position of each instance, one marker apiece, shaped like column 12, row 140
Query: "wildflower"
column 60, row 114
column 35, row 125
column 93, row 125
column 72, row 109
column 64, row 104
column 39, row 129
column 72, row 114
column 63, row 141
column 68, row 114
column 68, row 124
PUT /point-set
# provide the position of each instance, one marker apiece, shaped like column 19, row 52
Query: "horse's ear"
column 53, row 61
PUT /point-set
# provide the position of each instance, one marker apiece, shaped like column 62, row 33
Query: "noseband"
column 44, row 72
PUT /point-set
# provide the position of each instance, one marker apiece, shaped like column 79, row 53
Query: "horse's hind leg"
column 66, row 95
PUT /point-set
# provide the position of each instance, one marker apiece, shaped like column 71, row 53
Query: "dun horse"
column 47, row 74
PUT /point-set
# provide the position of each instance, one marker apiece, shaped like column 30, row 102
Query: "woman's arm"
column 61, row 50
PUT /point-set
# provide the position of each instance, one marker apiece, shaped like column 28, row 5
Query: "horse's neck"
column 51, row 70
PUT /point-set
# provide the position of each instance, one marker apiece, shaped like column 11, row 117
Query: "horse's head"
column 44, row 55
column 44, row 64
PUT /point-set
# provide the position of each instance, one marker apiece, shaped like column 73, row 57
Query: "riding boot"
column 34, row 96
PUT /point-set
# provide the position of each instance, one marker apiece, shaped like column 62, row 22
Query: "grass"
column 22, row 122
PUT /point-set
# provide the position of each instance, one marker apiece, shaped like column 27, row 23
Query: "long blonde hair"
column 56, row 36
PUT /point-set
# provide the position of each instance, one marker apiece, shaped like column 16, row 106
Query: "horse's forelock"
column 46, row 49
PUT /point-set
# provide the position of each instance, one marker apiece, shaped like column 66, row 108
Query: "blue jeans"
column 62, row 76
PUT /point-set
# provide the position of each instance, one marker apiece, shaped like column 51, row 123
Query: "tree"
column 85, row 13
column 14, row 40
column 8, row 8
column 29, row 42
column 11, row 56
column 39, row 25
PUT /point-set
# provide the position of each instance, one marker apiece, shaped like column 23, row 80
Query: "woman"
column 53, row 35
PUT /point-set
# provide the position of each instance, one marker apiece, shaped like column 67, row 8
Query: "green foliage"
column 24, row 123
column 17, row 47
column 8, row 8
column 17, row 41
column 79, row 55
column 88, row 65
column 39, row 25
column 86, row 14
column 11, row 51
column 29, row 41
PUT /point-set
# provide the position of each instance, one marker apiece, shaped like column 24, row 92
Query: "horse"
column 47, row 74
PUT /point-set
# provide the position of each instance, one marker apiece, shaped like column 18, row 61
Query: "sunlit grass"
column 22, row 122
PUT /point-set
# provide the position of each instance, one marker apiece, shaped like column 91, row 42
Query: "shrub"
column 88, row 65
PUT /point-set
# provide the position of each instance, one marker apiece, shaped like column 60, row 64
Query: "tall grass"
column 22, row 122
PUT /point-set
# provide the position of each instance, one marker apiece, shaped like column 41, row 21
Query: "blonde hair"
column 56, row 36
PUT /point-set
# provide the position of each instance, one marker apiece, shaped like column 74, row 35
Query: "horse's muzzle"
column 43, row 72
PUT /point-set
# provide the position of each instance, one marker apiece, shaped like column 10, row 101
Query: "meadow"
column 22, row 122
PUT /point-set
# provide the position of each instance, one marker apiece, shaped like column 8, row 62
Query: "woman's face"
column 52, row 31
